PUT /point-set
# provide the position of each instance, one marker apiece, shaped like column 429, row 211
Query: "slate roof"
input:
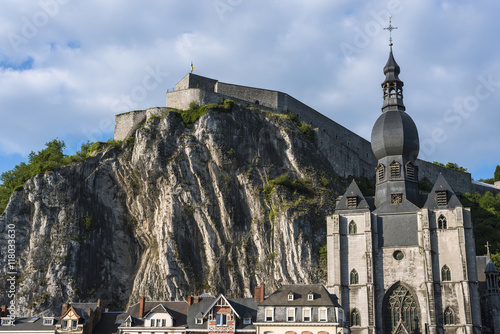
column 442, row 185
column 490, row 267
column 108, row 323
column 321, row 296
column 28, row 325
column 242, row 306
column 178, row 310
column 353, row 190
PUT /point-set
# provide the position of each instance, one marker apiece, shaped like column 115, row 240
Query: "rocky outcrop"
column 182, row 210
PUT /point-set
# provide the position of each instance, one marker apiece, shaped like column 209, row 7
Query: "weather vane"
column 390, row 28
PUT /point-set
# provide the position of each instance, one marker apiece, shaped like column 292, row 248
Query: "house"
column 157, row 317
column 108, row 323
column 79, row 318
column 300, row 309
column 221, row 315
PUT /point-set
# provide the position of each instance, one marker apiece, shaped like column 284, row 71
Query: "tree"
column 497, row 173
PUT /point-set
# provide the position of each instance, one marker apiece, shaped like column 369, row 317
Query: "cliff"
column 237, row 198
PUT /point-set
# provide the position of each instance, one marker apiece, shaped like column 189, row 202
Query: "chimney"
column 189, row 300
column 259, row 293
column 65, row 307
column 196, row 299
column 141, row 307
column 106, row 310
column 3, row 312
column 99, row 304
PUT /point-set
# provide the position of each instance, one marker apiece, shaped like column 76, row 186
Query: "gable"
column 71, row 314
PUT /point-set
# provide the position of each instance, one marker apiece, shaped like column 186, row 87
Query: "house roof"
column 241, row 306
column 30, row 324
column 178, row 311
column 108, row 323
column 280, row 297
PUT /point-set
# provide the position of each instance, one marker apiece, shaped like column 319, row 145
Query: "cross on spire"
column 390, row 28
column 488, row 256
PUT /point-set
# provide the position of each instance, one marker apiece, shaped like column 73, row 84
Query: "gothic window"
column 354, row 277
column 445, row 273
column 410, row 171
column 449, row 316
column 353, row 229
column 442, row 223
column 396, row 198
column 441, row 198
column 355, row 319
column 352, row 202
column 381, row 173
column 395, row 170
column 400, row 310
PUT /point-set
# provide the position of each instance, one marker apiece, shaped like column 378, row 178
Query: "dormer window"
column 352, row 202
column 199, row 321
column 221, row 320
column 48, row 321
column 310, row 296
column 290, row 296
column 247, row 321
column 442, row 198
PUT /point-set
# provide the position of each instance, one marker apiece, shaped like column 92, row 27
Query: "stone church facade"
column 402, row 261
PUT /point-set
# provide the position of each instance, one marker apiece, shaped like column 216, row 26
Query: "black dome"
column 395, row 133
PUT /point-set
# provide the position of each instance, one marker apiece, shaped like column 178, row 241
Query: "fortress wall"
column 258, row 96
column 484, row 187
column 195, row 81
column 460, row 182
column 125, row 124
column 182, row 98
column 348, row 153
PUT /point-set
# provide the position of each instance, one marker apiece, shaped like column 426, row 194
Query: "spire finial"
column 488, row 256
column 390, row 28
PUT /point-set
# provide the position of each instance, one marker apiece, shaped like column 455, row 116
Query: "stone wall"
column 127, row 123
column 460, row 182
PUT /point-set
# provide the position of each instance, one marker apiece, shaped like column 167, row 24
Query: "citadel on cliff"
column 398, row 262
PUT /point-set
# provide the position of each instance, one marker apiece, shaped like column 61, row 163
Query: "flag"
column 192, row 67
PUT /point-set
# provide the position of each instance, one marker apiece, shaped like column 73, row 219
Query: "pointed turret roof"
column 391, row 69
column 442, row 185
column 353, row 191
column 490, row 268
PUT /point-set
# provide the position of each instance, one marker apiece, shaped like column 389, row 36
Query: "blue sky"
column 68, row 66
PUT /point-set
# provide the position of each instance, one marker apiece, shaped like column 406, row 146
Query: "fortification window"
column 352, row 202
column 442, row 223
column 395, row 170
column 445, row 274
column 381, row 173
column 442, row 198
column 355, row 318
column 410, row 171
column 353, row 229
column 449, row 316
column 396, row 198
column 354, row 277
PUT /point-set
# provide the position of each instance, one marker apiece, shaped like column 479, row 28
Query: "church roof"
column 490, row 268
column 353, row 191
column 441, row 185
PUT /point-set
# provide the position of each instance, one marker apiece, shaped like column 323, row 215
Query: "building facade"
column 402, row 261
column 300, row 309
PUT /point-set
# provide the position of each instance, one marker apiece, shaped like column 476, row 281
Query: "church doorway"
column 401, row 311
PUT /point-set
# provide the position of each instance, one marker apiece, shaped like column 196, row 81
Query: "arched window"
column 354, row 277
column 381, row 172
column 353, row 229
column 400, row 310
column 395, row 170
column 449, row 316
column 410, row 171
column 445, row 273
column 355, row 319
column 442, row 223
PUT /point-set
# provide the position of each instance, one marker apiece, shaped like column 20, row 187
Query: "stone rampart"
column 460, row 182
column 256, row 96
column 127, row 123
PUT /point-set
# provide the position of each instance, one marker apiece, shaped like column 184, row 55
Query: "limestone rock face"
column 184, row 210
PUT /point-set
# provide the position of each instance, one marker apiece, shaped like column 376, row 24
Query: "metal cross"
column 390, row 28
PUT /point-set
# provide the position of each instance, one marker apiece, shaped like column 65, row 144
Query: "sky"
column 67, row 67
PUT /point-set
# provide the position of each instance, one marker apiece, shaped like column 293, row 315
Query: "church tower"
column 403, row 261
